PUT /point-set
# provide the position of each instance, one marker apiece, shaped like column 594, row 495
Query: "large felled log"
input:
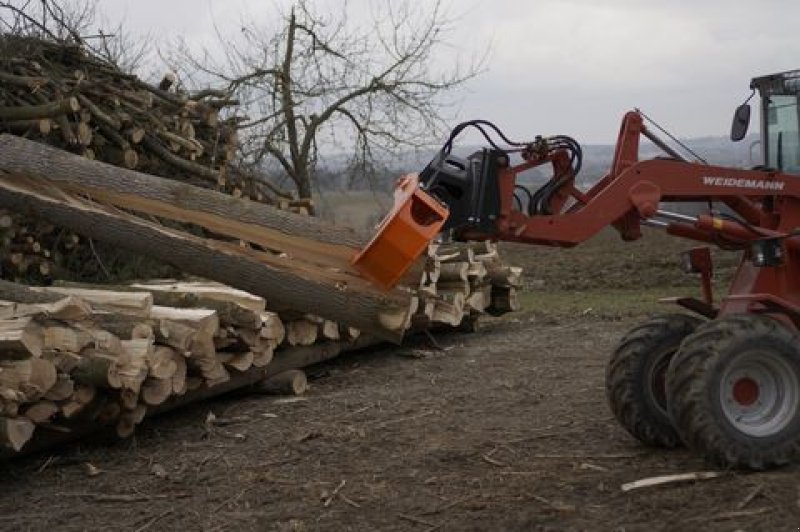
column 137, row 190
column 381, row 314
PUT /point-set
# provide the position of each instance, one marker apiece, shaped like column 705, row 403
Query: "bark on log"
column 381, row 314
column 25, row 157
column 45, row 110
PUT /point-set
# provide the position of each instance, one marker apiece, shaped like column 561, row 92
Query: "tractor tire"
column 636, row 378
column 733, row 392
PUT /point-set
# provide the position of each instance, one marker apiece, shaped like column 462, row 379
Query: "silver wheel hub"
column 760, row 393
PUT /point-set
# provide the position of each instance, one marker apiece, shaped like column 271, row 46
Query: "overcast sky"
column 567, row 66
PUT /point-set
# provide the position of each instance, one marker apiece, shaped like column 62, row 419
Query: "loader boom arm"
column 481, row 201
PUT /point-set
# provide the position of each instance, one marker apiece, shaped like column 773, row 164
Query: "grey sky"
column 567, row 66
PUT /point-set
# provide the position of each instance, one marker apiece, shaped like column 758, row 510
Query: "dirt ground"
column 503, row 430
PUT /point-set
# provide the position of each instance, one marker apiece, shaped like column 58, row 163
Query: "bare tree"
column 323, row 81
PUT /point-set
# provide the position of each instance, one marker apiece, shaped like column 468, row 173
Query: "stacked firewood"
column 73, row 355
column 76, row 357
column 78, row 354
column 461, row 282
column 68, row 98
column 61, row 95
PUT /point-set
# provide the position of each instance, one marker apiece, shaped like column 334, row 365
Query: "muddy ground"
column 503, row 430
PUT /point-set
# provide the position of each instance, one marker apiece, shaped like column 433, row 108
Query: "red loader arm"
column 485, row 201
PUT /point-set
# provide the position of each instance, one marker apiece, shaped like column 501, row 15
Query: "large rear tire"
column 636, row 378
column 733, row 392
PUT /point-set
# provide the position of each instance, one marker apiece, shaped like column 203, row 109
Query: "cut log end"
column 292, row 382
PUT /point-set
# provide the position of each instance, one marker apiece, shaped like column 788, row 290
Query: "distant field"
column 358, row 209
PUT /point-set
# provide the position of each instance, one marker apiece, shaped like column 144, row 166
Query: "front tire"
column 734, row 392
column 636, row 378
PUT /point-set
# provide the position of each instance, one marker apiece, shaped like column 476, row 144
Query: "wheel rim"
column 760, row 393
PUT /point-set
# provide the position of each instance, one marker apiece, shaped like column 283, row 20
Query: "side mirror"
column 741, row 121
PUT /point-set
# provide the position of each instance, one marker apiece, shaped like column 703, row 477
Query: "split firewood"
column 503, row 300
column 292, row 382
column 20, row 338
column 330, row 330
column 97, row 368
column 63, row 388
column 162, row 362
column 83, row 395
column 504, row 276
column 301, row 332
column 455, row 271
column 132, row 365
column 262, row 356
column 15, row 433
column 41, row 411
column 179, row 377
column 64, row 338
column 43, row 376
column 272, row 328
column 155, row 391
column 237, row 361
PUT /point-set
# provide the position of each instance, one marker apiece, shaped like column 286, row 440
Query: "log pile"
column 61, row 95
column 461, row 282
column 77, row 357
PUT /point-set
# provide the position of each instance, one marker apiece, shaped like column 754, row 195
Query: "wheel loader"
column 724, row 378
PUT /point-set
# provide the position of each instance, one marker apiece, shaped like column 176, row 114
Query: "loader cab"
column 780, row 120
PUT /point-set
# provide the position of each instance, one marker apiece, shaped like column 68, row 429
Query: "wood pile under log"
column 61, row 368
column 75, row 357
column 461, row 282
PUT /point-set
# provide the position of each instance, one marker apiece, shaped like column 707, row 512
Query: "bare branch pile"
column 60, row 94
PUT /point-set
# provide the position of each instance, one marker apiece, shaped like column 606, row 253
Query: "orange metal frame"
column 403, row 235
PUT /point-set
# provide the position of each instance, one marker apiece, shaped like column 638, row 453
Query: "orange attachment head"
column 403, row 235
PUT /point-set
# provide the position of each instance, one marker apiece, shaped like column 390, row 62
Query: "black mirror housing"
column 741, row 121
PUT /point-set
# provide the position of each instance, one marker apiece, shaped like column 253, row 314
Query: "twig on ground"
column 112, row 497
column 488, row 458
column 670, row 479
column 750, row 496
column 347, row 500
column 333, row 494
column 555, row 505
column 418, row 521
column 46, row 464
